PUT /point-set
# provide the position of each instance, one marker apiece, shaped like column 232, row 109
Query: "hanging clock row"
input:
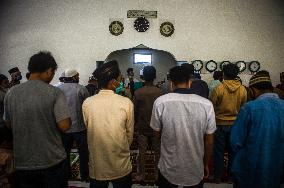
column 212, row 65
column 141, row 24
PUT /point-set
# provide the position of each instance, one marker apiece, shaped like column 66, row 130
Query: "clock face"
column 211, row 66
column 141, row 24
column 242, row 65
column 198, row 65
column 254, row 66
column 224, row 63
column 167, row 29
column 116, row 28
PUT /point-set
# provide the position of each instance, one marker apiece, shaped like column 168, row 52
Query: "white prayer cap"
column 69, row 73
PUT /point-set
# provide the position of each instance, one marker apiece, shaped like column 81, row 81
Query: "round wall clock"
column 211, row 66
column 198, row 65
column 242, row 66
column 167, row 29
column 141, row 24
column 116, row 28
column 224, row 63
column 254, row 66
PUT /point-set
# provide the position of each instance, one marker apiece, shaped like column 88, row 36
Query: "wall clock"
column 211, row 66
column 167, row 29
column 198, row 65
column 141, row 24
column 224, row 63
column 254, row 66
column 116, row 28
column 242, row 66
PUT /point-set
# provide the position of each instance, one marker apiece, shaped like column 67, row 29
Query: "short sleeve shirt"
column 75, row 95
column 34, row 108
column 183, row 120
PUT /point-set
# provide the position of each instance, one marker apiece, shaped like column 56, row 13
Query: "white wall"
column 76, row 31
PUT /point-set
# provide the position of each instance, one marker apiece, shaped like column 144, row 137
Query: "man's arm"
column 64, row 125
column 208, row 149
column 61, row 112
column 130, row 123
column 155, row 122
column 239, row 130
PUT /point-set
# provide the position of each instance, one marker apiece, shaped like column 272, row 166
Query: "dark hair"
column 263, row 72
column 106, row 72
column 190, row 68
column 2, row 78
column 231, row 71
column 28, row 74
column 217, row 75
column 179, row 74
column 129, row 70
column 149, row 73
column 262, row 86
column 41, row 62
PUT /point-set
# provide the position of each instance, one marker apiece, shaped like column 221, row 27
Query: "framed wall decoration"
column 167, row 29
column 254, row 66
column 116, row 28
column 141, row 24
column 211, row 66
column 224, row 63
column 198, row 65
column 242, row 66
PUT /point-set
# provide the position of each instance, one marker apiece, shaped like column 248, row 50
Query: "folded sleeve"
column 156, row 118
column 61, row 108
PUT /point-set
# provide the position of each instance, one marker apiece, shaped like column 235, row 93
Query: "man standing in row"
column 16, row 76
column 143, row 103
column 75, row 95
column 37, row 112
column 110, row 123
column 257, row 138
column 186, row 122
column 227, row 99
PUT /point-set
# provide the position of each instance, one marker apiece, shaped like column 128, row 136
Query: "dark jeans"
column 221, row 143
column 164, row 183
column 124, row 182
column 81, row 140
column 53, row 177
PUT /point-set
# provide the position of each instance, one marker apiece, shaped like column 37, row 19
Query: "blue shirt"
column 257, row 141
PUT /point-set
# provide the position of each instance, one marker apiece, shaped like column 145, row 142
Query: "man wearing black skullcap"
column 144, row 99
column 257, row 138
column 16, row 76
column 227, row 99
column 109, row 120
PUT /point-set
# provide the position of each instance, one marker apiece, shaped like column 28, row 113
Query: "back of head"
column 263, row 72
column 41, row 62
column 13, row 70
column 180, row 75
column 129, row 70
column 231, row 71
column 2, row 78
column 149, row 73
column 218, row 75
column 106, row 72
column 261, row 82
column 190, row 68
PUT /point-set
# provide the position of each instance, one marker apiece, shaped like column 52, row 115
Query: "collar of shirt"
column 106, row 91
column 182, row 91
column 268, row 95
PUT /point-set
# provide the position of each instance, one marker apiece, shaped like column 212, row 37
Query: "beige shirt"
column 110, row 123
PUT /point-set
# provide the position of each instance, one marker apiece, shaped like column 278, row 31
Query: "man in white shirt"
column 187, row 123
column 110, row 123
